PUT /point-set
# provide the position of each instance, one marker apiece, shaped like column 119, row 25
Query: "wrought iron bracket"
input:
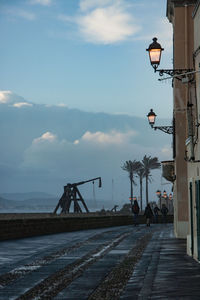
column 165, row 129
column 173, row 72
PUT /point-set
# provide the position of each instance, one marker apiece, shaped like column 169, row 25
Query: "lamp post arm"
column 166, row 129
column 173, row 72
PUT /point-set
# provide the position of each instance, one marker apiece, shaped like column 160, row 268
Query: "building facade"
column 193, row 148
column 185, row 18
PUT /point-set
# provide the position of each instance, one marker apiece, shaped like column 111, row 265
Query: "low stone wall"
column 14, row 226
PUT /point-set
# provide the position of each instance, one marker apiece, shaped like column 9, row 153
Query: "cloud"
column 93, row 151
column 4, row 96
column 20, row 104
column 41, row 2
column 47, row 136
column 101, row 138
column 104, row 22
column 10, row 98
column 107, row 25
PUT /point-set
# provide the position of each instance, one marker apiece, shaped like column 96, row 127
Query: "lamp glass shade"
column 152, row 119
column 155, row 56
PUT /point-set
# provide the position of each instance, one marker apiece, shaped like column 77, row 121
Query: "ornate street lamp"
column 155, row 51
column 151, row 118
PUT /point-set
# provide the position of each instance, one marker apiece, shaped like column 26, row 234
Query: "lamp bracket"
column 165, row 129
column 173, row 72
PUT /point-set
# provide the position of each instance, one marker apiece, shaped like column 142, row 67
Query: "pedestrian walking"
column 148, row 214
column 135, row 211
column 164, row 212
column 156, row 210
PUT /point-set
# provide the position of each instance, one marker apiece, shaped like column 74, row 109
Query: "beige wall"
column 183, row 49
column 194, row 167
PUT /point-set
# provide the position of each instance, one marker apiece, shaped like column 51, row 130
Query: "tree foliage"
column 142, row 170
column 149, row 163
column 131, row 167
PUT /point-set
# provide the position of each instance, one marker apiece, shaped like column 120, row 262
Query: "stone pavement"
column 164, row 271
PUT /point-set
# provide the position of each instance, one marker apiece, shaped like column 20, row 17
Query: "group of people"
column 149, row 213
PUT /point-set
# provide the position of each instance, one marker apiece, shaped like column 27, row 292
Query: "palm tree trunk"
column 147, row 195
column 141, row 193
column 131, row 181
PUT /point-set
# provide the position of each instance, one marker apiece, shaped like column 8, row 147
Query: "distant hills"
column 27, row 196
column 45, row 147
column 32, row 202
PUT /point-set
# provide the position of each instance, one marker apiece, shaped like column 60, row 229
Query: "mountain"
column 45, row 147
column 27, row 196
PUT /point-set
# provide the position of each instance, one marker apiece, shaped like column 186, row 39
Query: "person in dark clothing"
column 156, row 210
column 148, row 214
column 164, row 212
column 135, row 211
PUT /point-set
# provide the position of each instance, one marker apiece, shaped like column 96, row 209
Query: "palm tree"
column 131, row 167
column 149, row 163
column 140, row 174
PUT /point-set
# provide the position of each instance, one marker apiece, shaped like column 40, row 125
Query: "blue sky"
column 86, row 54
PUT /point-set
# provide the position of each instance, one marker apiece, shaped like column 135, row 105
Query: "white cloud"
column 113, row 137
column 41, row 2
column 64, row 161
column 47, row 136
column 4, row 96
column 61, row 105
column 93, row 152
column 10, row 98
column 107, row 25
column 104, row 21
column 20, row 104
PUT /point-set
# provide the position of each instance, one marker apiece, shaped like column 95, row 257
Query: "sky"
column 87, row 55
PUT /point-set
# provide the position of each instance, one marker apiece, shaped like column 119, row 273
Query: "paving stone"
column 164, row 271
